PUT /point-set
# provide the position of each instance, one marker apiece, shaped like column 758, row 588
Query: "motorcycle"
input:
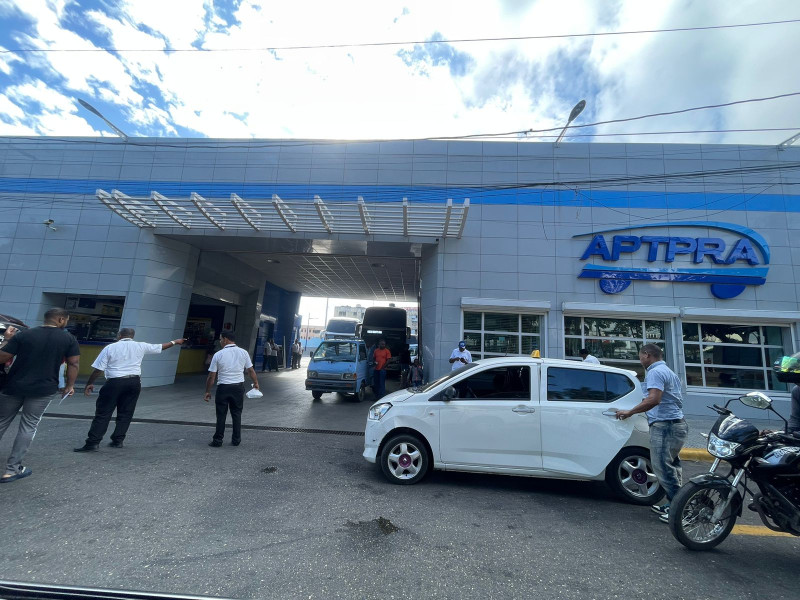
column 704, row 511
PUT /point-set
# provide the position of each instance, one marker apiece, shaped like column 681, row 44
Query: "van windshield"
column 336, row 351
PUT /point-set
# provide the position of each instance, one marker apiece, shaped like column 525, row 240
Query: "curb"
column 696, row 454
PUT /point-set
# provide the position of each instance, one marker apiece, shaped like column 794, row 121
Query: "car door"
column 493, row 422
column 580, row 432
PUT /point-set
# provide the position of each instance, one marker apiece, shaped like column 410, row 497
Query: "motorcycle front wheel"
column 690, row 516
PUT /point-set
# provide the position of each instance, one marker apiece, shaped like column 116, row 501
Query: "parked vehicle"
column 388, row 323
column 338, row 366
column 518, row 416
column 6, row 321
column 341, row 328
column 705, row 510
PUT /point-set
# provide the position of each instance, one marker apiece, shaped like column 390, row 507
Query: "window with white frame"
column 719, row 355
column 501, row 334
column 614, row 341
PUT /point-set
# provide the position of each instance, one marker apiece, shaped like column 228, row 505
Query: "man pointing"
column 122, row 363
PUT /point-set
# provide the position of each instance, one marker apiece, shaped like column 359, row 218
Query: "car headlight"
column 376, row 412
column 349, row 376
column 312, row 374
column 721, row 448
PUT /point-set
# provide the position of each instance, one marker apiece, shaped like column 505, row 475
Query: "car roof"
column 558, row 362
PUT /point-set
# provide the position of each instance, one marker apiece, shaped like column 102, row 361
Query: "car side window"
column 501, row 383
column 584, row 385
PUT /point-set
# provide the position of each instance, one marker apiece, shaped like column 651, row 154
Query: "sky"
column 229, row 85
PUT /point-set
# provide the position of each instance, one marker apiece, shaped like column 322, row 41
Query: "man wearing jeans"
column 33, row 381
column 229, row 364
column 668, row 430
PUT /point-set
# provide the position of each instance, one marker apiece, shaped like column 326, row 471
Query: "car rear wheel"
column 631, row 477
column 317, row 394
column 404, row 459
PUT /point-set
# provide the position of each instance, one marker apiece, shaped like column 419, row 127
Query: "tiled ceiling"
column 339, row 276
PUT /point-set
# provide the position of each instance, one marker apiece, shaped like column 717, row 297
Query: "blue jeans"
column 379, row 383
column 666, row 441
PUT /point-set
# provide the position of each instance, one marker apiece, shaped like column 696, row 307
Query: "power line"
column 408, row 42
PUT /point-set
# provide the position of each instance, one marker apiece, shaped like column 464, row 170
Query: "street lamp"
column 92, row 109
column 576, row 110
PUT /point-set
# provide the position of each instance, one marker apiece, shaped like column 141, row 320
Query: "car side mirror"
column 449, row 393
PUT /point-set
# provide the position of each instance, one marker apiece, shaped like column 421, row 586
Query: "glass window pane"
column 730, row 334
column 774, row 335
column 691, row 353
column 472, row 320
column 612, row 327
column 500, row 322
column 572, row 347
column 614, row 349
column 733, row 355
column 572, row 325
column 530, row 343
column 654, row 330
column 576, row 385
column 530, row 323
column 501, row 344
column 495, row 384
column 690, row 332
column 628, row 366
column 734, row 378
column 773, row 354
column 617, row 386
column 473, row 342
column 694, row 376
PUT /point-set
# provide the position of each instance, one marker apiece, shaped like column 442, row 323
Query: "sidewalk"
column 286, row 403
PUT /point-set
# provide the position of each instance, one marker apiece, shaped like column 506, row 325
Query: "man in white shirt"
column 460, row 356
column 229, row 364
column 122, row 364
column 588, row 358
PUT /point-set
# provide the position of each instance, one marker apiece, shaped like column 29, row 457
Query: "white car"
column 518, row 416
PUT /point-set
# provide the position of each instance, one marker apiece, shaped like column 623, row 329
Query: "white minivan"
column 518, row 416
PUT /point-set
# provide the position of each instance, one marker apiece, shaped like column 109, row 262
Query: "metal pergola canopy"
column 295, row 216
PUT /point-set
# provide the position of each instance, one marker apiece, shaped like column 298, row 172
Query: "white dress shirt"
column 229, row 364
column 591, row 359
column 124, row 357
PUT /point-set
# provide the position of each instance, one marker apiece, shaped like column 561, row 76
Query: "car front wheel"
column 631, row 477
column 404, row 459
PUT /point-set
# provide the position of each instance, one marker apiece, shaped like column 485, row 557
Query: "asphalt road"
column 292, row 515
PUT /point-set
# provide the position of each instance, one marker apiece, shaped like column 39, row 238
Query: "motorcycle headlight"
column 721, row 448
column 349, row 376
column 376, row 412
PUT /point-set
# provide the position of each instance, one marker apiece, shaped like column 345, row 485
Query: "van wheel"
column 317, row 394
column 631, row 477
column 404, row 459
column 362, row 392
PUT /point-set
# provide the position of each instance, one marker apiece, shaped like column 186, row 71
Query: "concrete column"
column 433, row 347
column 247, row 320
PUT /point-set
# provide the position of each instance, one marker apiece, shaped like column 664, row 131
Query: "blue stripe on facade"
column 432, row 194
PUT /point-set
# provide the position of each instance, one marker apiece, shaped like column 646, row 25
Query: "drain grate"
column 203, row 424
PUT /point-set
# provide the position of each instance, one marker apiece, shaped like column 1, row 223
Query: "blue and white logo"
column 748, row 257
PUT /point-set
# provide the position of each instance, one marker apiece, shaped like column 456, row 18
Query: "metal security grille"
column 295, row 216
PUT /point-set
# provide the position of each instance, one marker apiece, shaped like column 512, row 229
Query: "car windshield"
column 336, row 351
column 450, row 375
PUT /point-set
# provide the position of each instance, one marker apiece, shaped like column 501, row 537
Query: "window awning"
column 295, row 216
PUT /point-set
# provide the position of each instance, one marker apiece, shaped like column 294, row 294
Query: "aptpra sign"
column 740, row 261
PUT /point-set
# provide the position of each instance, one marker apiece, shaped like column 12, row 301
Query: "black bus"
column 388, row 323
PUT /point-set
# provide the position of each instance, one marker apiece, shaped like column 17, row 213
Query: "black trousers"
column 118, row 394
column 229, row 396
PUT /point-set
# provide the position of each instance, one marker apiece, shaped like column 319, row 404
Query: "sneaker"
column 660, row 510
column 664, row 518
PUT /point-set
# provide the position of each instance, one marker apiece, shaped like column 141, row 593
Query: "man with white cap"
column 460, row 356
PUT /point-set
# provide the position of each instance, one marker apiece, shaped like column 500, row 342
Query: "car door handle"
column 523, row 409
column 610, row 413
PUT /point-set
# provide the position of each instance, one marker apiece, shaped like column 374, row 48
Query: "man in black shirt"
column 33, row 381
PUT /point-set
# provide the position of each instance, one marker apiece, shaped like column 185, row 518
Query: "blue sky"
column 417, row 90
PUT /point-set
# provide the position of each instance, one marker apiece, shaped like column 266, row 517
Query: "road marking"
column 759, row 530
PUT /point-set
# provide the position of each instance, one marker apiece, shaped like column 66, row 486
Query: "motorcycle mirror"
column 756, row 400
